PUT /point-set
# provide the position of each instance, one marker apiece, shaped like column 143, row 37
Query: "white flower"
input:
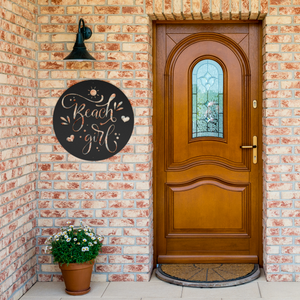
column 90, row 244
column 75, row 239
column 57, row 240
column 64, row 232
column 65, row 236
column 83, row 249
column 70, row 229
column 84, row 240
column 79, row 230
column 71, row 226
column 69, row 239
column 85, row 229
column 93, row 238
column 68, row 222
column 95, row 242
column 60, row 234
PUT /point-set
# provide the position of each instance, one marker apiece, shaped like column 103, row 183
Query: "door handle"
column 254, row 147
column 248, row 147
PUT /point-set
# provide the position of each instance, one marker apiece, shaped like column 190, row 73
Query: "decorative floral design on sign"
column 93, row 120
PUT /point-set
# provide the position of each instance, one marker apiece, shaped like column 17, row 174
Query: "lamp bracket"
column 85, row 31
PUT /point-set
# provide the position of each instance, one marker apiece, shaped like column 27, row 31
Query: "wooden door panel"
column 226, row 212
column 214, row 246
column 219, row 171
column 185, row 152
column 225, row 29
column 207, row 201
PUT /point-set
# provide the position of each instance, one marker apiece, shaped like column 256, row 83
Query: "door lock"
column 254, row 147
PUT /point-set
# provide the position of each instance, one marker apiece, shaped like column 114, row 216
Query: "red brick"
column 107, row 10
column 108, row 213
column 289, row 10
column 278, row 39
column 111, row 250
column 279, row 204
column 53, row 213
column 108, row 268
column 113, row 259
column 121, row 241
column 136, row 268
column 121, row 277
column 108, row 195
column 280, row 2
column 290, row 66
column 80, row 213
column 290, row 231
column 279, row 259
column 120, row 186
column 279, row 241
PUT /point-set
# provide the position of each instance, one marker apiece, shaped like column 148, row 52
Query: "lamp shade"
column 79, row 51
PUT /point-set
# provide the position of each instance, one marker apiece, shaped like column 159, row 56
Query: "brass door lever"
column 248, row 147
column 254, row 147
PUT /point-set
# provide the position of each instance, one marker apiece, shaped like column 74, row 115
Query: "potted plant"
column 75, row 250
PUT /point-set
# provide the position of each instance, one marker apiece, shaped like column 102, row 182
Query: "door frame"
column 155, row 126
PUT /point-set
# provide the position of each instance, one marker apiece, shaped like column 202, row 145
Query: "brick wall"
column 114, row 195
column 18, row 155
column 281, row 141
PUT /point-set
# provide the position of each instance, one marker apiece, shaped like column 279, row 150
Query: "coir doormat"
column 208, row 275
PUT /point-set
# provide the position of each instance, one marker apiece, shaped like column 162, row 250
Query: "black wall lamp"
column 79, row 51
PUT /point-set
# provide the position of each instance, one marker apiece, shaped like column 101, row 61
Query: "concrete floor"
column 159, row 290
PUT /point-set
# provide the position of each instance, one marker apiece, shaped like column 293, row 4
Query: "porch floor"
column 156, row 289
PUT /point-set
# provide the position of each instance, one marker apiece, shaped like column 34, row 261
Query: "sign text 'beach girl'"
column 93, row 120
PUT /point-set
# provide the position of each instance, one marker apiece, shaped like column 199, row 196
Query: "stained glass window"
column 207, row 110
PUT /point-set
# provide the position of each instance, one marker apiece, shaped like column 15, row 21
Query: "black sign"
column 93, row 120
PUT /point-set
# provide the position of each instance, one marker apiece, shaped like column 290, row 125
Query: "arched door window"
column 207, row 107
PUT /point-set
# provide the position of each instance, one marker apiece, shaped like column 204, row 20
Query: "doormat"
column 208, row 275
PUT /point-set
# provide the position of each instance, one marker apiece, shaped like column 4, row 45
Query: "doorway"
column 207, row 139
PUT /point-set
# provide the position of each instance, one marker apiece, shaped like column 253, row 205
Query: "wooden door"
column 207, row 188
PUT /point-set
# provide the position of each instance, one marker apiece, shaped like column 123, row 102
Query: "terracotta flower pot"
column 77, row 277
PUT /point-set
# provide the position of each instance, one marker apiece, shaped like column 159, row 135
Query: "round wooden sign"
column 93, row 120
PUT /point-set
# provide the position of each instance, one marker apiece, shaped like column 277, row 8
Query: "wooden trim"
column 165, row 259
column 154, row 141
column 205, row 21
column 260, row 142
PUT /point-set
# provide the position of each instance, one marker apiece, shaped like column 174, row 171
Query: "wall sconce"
column 79, row 51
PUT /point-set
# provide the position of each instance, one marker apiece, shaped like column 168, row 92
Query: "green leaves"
column 74, row 245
